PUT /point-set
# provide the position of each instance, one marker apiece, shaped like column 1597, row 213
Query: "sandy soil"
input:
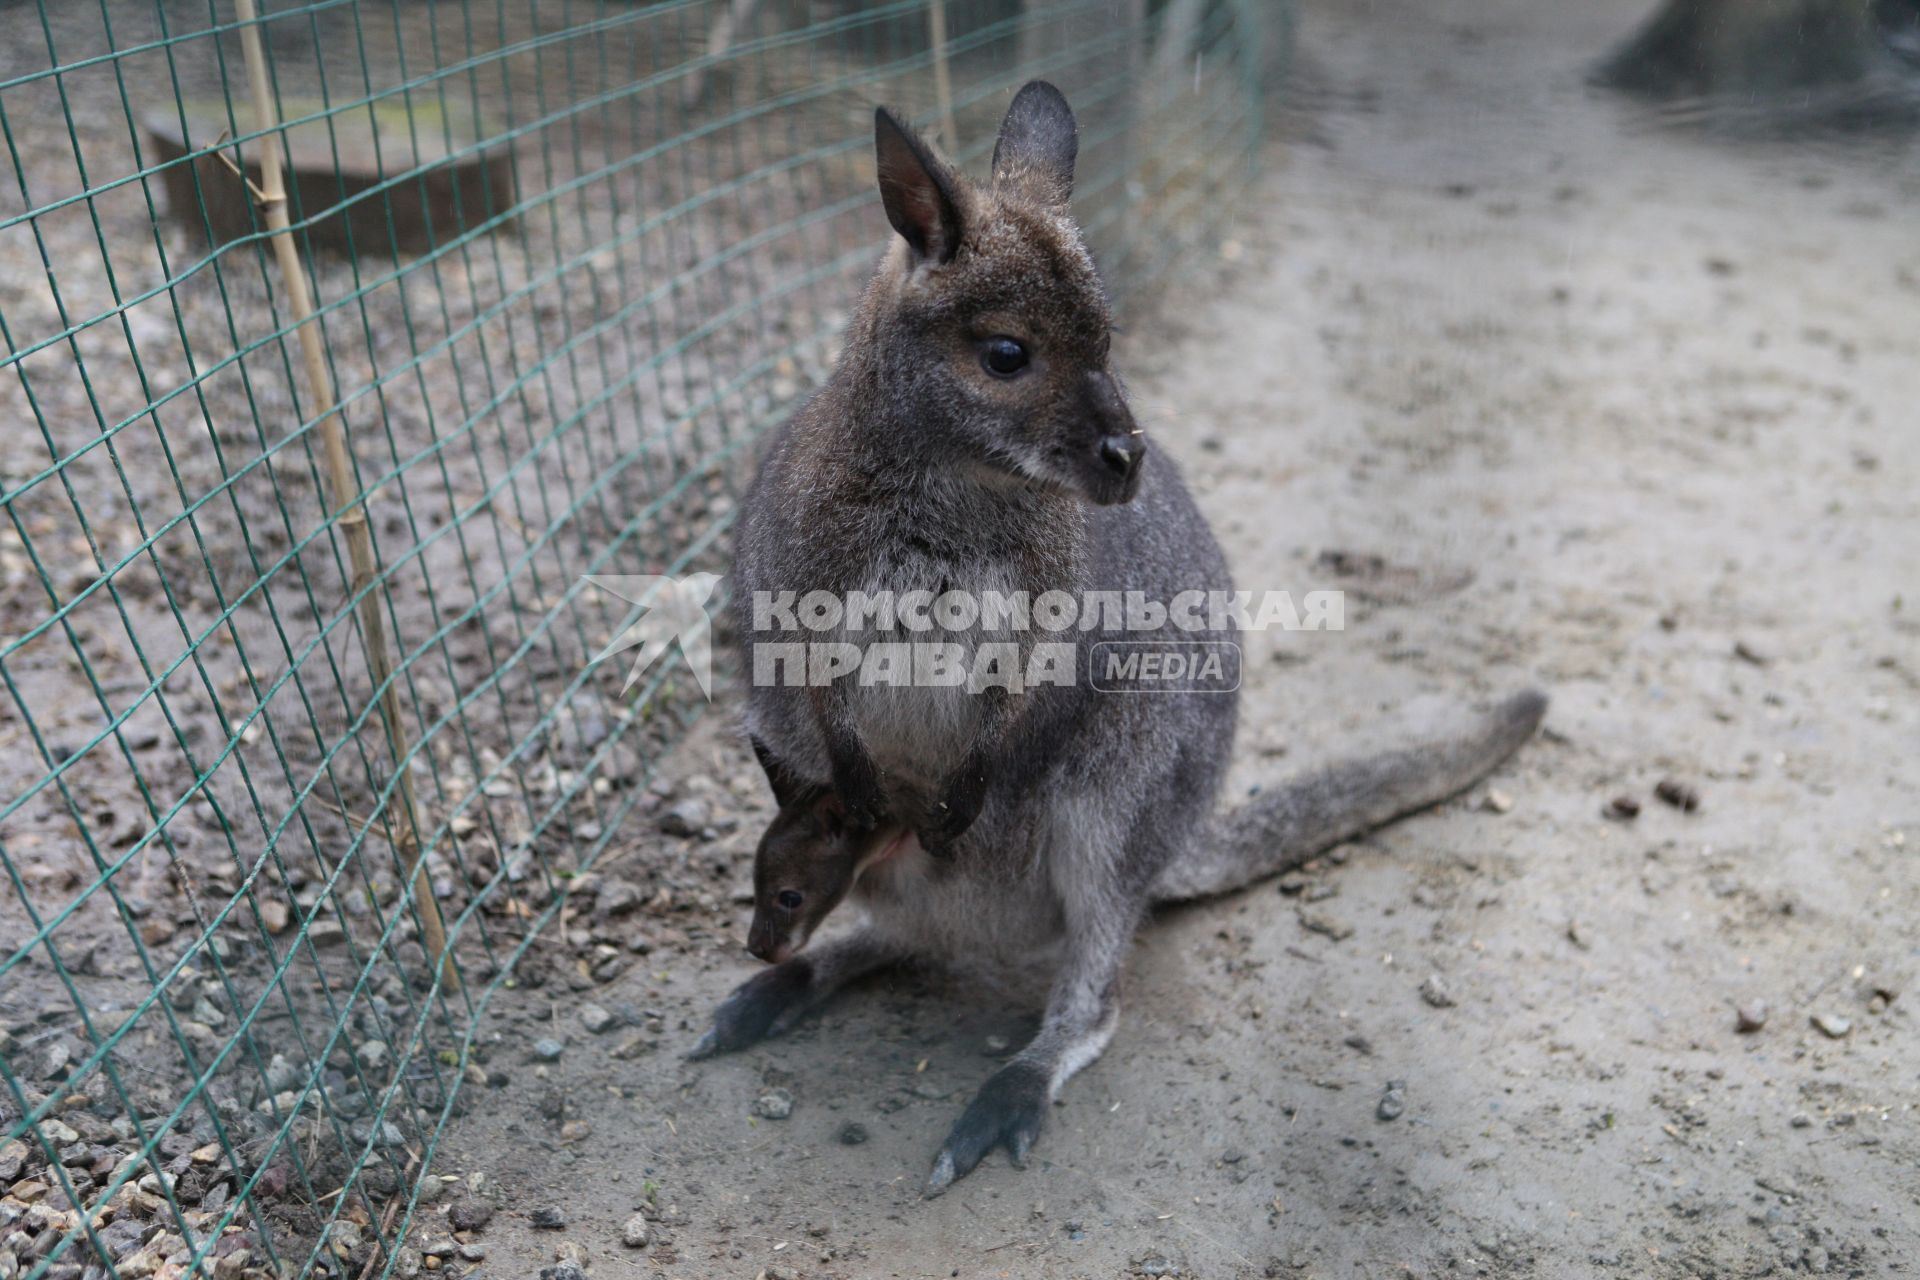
column 1620, row 411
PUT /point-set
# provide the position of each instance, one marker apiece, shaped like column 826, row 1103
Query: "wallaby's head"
column 988, row 322
column 807, row 861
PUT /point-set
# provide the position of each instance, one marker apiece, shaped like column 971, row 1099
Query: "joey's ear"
column 1037, row 145
column 787, row 789
column 921, row 194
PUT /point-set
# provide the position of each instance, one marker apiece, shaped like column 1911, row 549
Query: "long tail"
column 1282, row 828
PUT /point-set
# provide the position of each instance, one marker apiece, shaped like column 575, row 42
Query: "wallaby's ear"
column 787, row 789
column 921, row 194
column 1038, row 142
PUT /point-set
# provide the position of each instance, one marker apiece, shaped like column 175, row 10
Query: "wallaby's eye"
column 1003, row 357
column 790, row 899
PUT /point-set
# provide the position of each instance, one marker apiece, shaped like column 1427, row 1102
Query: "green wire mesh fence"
column 567, row 259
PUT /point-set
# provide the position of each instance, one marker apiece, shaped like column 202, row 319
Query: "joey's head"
column 988, row 323
column 807, row 861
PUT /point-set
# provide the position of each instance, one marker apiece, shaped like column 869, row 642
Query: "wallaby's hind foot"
column 1009, row 1111
column 749, row 1014
column 771, row 1002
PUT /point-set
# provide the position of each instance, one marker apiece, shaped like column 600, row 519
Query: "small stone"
column 13, row 1158
column 775, row 1104
column 1678, row 794
column 1393, row 1103
column 1622, row 808
column 54, row 1062
column 995, row 1046
column 549, row 1217
column 473, row 1251
column 372, row 1055
column 1750, row 1017
column 1747, row 653
column 688, row 818
column 1325, row 922
column 634, row 1046
column 571, row 1251
column 1499, row 801
column 283, row 1075
column 575, row 1130
column 547, row 1049
column 596, row 1019
column 469, row 1215
column 853, row 1133
column 1832, row 1025
column 1359, row 1044
column 274, row 916
column 1434, row 991
column 1801, row 1120
column 636, row 1234
column 385, row 1134
column 563, row 1271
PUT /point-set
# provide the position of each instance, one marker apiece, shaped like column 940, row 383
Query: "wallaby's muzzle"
column 766, row 940
column 1110, row 469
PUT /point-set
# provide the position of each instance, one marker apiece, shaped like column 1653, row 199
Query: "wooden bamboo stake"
column 272, row 199
column 942, row 75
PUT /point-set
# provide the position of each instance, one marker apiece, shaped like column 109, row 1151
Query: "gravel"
column 469, row 1215
column 1679, row 794
column 688, row 818
column 775, row 1104
column 1326, row 923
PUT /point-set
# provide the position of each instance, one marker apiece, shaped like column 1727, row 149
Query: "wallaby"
column 974, row 438
column 807, row 861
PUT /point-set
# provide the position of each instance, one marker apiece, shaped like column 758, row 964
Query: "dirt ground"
column 1620, row 410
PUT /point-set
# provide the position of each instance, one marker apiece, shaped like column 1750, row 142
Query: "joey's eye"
column 1003, row 357
column 790, row 899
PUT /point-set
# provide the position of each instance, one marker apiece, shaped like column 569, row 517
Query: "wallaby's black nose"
column 1120, row 454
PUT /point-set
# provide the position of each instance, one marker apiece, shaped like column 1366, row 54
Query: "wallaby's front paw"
column 1008, row 1111
column 764, row 1005
column 857, row 783
column 959, row 806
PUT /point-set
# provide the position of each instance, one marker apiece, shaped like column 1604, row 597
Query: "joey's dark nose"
column 1121, row 455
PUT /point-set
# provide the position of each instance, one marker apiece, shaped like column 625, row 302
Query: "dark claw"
column 748, row 1015
column 1008, row 1111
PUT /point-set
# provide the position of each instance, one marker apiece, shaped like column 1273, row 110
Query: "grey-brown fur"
column 1049, row 821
